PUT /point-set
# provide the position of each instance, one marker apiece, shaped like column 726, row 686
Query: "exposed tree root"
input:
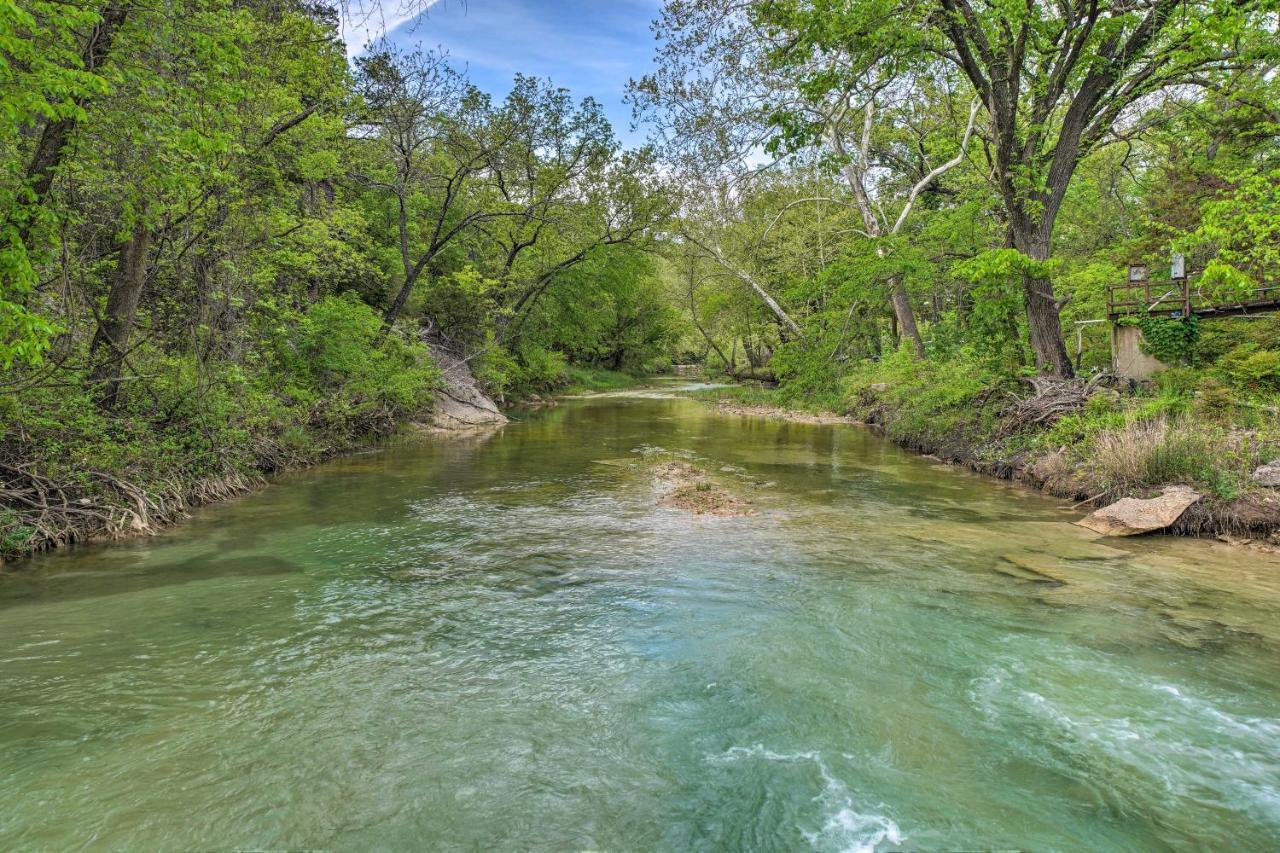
column 40, row 513
column 1053, row 399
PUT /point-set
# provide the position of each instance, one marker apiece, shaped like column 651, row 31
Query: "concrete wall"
column 1127, row 358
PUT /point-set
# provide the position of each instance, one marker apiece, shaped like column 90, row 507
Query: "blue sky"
column 590, row 47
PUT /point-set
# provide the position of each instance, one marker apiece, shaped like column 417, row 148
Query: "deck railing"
column 1180, row 297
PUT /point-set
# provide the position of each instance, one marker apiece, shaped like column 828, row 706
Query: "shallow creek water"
column 501, row 642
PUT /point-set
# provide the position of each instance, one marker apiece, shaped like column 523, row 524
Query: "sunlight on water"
column 501, row 642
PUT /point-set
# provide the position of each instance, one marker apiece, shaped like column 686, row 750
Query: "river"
column 502, row 642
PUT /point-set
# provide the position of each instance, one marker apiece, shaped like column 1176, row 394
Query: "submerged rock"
column 1131, row 516
column 689, row 488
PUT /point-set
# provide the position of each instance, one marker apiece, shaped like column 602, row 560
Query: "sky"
column 591, row 47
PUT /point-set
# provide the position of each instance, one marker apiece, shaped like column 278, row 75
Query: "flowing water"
column 501, row 642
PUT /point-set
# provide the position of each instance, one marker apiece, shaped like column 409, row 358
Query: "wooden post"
column 1178, row 272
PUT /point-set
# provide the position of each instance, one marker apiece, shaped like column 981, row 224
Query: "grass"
column 1185, row 428
column 743, row 395
column 761, row 395
column 585, row 380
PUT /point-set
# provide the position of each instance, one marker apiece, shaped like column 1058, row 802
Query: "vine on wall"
column 1169, row 339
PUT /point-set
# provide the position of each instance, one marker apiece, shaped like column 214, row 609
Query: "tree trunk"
column 111, row 341
column 402, row 296
column 905, row 316
column 1044, row 327
column 57, row 133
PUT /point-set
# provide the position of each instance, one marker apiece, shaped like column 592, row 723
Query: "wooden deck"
column 1178, row 298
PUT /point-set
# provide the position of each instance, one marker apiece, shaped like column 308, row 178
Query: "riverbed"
column 504, row 641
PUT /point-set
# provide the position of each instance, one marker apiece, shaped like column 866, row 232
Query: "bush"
column 1251, row 368
column 1215, row 402
column 927, row 401
column 807, row 374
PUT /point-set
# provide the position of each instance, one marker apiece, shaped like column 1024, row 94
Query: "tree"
column 158, row 150
column 721, row 101
column 427, row 130
column 622, row 203
column 1057, row 80
column 858, row 168
column 51, row 59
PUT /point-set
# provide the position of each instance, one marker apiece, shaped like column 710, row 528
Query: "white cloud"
column 365, row 20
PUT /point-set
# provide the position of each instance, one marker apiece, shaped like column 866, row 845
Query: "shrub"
column 1251, row 368
column 928, row 401
column 1215, row 402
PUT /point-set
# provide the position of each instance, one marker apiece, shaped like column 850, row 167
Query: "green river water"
column 501, row 642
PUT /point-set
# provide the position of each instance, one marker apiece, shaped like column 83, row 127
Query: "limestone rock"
column 1131, row 516
column 1268, row 475
column 460, row 404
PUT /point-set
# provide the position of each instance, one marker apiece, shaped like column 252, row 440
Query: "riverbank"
column 111, row 478
column 59, row 503
column 1132, row 457
column 76, row 467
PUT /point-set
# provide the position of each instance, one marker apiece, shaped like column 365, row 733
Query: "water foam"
column 844, row 827
column 1196, row 749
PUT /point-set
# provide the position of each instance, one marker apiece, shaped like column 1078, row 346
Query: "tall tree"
column 726, row 110
column 429, row 129
column 1057, row 79
column 51, row 64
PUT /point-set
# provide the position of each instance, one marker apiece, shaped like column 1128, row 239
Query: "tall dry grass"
column 1151, row 453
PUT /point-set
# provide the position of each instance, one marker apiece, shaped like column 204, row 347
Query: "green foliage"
column 462, row 302
column 1102, row 412
column 41, row 80
column 926, row 402
column 341, row 347
column 1171, row 340
column 808, row 372
column 1243, row 229
column 15, row 536
column 330, row 386
column 997, row 276
column 1251, row 368
column 243, row 242
column 1215, row 402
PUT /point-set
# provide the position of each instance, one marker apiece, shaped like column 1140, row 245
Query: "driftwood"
column 1053, row 399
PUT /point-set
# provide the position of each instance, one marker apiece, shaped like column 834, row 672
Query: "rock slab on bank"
column 1131, row 516
column 1268, row 475
column 459, row 404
